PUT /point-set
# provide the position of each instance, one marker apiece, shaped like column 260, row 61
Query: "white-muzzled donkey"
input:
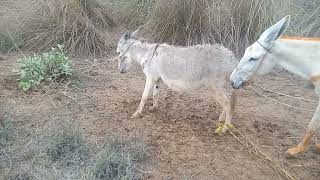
column 181, row 69
column 299, row 56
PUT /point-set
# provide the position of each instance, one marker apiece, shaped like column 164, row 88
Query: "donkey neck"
column 299, row 57
column 140, row 52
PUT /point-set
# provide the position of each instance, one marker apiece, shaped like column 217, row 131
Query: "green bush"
column 50, row 66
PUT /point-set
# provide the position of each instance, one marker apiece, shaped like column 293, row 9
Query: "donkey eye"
column 253, row 59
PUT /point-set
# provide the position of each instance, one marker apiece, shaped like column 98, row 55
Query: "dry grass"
column 235, row 23
column 60, row 150
column 84, row 25
column 8, row 41
column 81, row 25
column 258, row 154
column 7, row 131
column 132, row 13
column 120, row 158
column 308, row 17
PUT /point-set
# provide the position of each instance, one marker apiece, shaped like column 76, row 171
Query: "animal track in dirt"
column 265, row 126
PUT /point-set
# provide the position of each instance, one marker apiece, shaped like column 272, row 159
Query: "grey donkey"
column 182, row 69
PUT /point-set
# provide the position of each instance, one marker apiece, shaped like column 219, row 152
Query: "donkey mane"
column 200, row 46
column 301, row 38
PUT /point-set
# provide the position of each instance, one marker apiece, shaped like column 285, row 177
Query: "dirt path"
column 181, row 132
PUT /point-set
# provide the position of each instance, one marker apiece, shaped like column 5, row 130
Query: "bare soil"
column 181, row 132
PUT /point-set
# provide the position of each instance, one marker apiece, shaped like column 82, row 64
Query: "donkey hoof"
column 136, row 115
column 290, row 155
column 153, row 108
column 221, row 129
column 293, row 152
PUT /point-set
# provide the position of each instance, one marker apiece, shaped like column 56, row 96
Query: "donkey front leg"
column 233, row 102
column 222, row 117
column 313, row 126
column 227, row 111
column 155, row 96
column 147, row 89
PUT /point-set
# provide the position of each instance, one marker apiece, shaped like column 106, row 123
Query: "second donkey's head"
column 124, row 44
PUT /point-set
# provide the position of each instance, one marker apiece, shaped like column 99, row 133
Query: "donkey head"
column 256, row 58
column 124, row 44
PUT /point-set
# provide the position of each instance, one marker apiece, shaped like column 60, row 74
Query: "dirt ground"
column 181, row 132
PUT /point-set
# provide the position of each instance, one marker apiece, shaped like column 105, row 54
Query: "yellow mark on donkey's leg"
column 221, row 128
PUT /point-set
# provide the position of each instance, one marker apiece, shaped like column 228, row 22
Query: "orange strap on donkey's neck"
column 300, row 38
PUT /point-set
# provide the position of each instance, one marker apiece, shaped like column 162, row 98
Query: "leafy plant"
column 50, row 66
column 57, row 63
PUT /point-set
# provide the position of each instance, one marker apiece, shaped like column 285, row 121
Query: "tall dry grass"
column 131, row 13
column 84, row 25
column 233, row 23
column 81, row 25
column 307, row 17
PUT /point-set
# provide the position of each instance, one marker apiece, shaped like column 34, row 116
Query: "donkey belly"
column 183, row 86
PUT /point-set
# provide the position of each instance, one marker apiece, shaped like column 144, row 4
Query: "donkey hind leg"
column 318, row 147
column 147, row 89
column 227, row 111
column 156, row 90
column 233, row 102
column 222, row 117
column 313, row 126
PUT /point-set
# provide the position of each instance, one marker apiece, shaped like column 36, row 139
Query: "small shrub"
column 6, row 130
column 57, row 63
column 67, row 146
column 50, row 66
column 32, row 72
column 119, row 159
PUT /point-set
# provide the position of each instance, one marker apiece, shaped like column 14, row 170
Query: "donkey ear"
column 275, row 31
column 136, row 32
